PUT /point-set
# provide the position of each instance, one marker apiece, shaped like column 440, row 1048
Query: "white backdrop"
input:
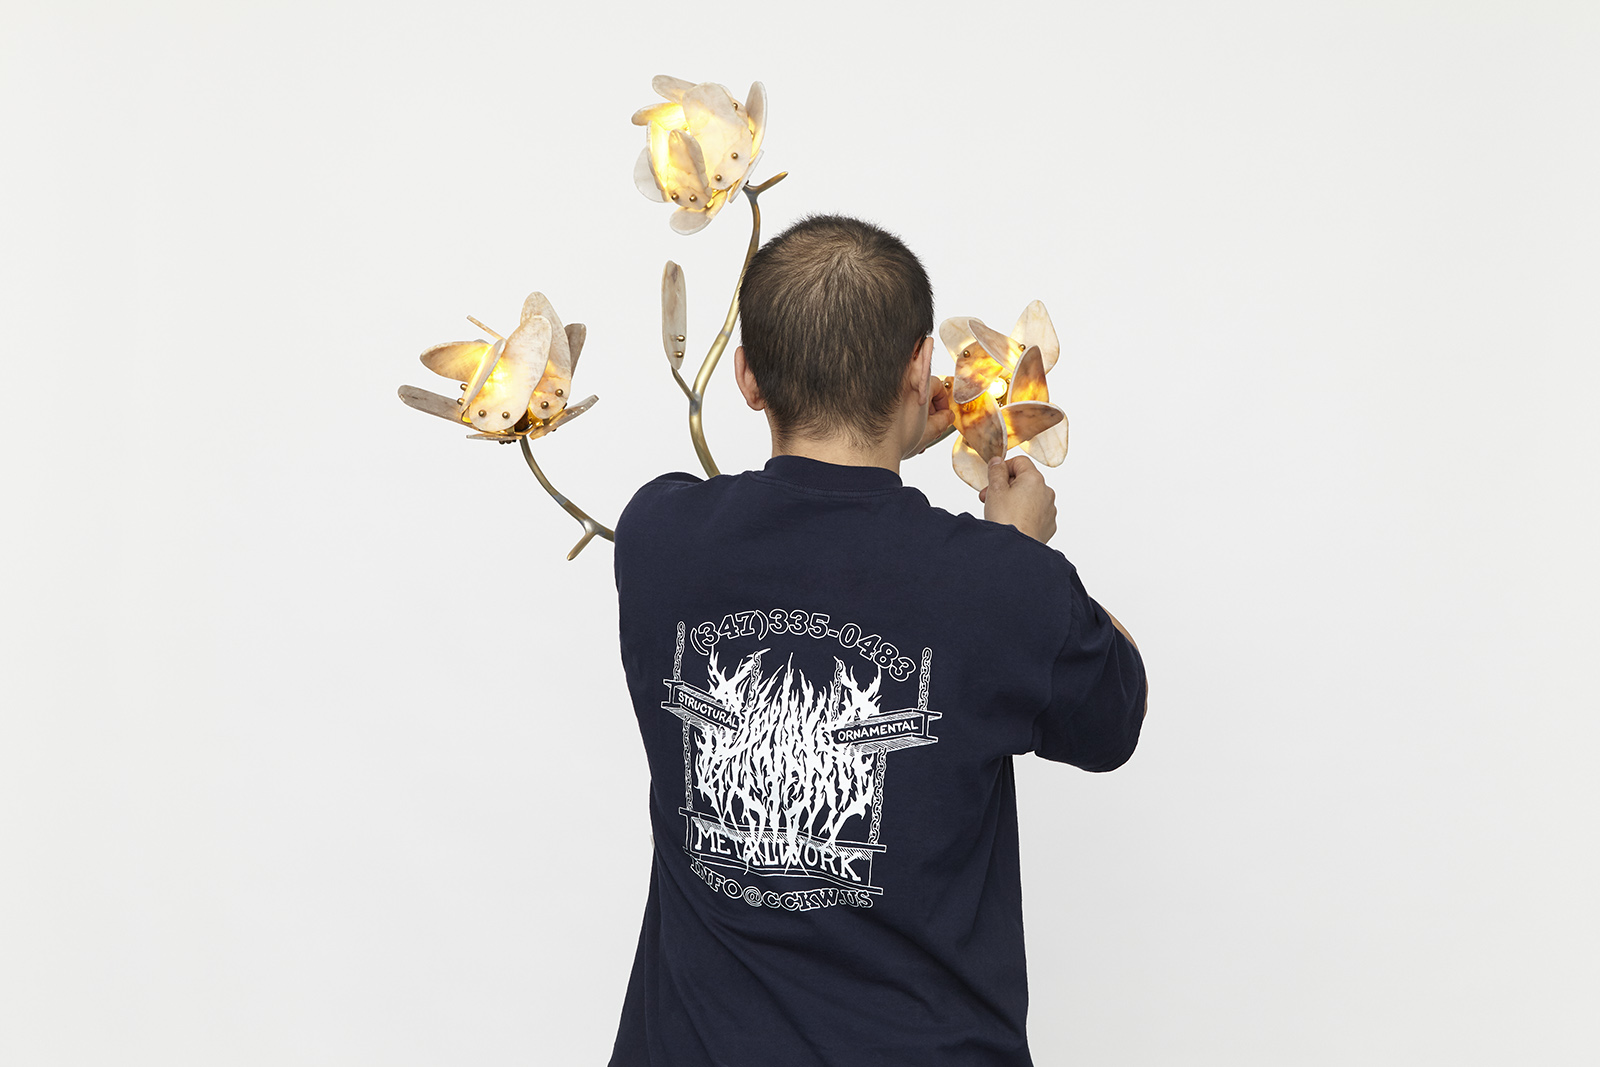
column 1326, row 278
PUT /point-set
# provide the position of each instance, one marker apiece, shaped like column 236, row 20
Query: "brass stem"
column 697, row 395
column 590, row 526
column 681, row 383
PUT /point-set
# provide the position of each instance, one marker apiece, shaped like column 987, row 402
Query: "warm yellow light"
column 997, row 388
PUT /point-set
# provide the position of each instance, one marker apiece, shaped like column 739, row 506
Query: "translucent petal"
column 755, row 113
column 1027, row 381
column 1027, row 420
column 504, row 397
column 720, row 131
column 432, row 403
column 1050, row 446
column 555, row 373
column 956, row 335
column 685, row 221
column 975, row 371
column 1035, row 328
column 970, row 467
column 457, row 360
column 674, row 313
column 538, row 430
column 539, row 304
column 679, row 167
column 668, row 86
column 669, row 115
column 644, row 178
column 577, row 333
column 997, row 344
column 479, row 376
column 981, row 425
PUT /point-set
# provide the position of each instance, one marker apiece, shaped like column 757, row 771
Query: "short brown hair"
column 832, row 310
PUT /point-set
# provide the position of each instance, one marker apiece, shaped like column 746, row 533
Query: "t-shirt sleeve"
column 1097, row 691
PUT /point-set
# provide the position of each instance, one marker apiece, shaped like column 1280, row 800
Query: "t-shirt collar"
column 815, row 474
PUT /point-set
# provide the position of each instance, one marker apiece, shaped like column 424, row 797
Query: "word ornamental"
column 871, row 647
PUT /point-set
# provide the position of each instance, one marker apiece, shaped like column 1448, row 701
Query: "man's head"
column 834, row 312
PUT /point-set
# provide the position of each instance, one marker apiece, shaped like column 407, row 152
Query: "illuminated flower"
column 517, row 386
column 998, row 392
column 701, row 145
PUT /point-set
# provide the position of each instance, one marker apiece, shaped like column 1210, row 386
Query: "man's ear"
column 921, row 369
column 747, row 381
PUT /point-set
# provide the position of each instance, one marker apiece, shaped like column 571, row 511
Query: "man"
column 831, row 678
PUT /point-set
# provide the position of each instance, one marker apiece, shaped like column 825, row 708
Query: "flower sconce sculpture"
column 998, row 392
column 516, row 388
column 700, row 147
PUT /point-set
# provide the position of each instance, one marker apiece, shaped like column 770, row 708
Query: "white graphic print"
column 784, row 779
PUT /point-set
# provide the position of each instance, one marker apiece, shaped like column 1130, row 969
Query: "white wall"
column 1326, row 277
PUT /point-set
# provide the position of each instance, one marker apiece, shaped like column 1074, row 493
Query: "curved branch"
column 590, row 526
column 697, row 396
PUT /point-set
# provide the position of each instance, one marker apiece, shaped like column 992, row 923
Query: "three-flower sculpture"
column 998, row 392
column 516, row 387
column 701, row 146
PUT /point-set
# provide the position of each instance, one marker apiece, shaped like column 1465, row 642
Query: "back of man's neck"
column 840, row 451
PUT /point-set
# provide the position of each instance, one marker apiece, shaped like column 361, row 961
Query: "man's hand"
column 1017, row 494
column 940, row 418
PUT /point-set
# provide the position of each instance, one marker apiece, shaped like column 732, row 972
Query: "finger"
column 999, row 477
column 1021, row 465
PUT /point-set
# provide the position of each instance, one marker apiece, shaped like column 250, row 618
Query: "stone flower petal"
column 555, row 374
column 1027, row 381
column 479, row 376
column 644, row 178
column 680, row 167
column 755, row 113
column 500, row 404
column 975, row 372
column 577, row 333
column 669, row 87
column 981, row 425
column 970, row 467
column 538, row 304
column 998, row 345
column 432, row 403
column 1049, row 446
column 1035, row 328
column 674, row 313
column 955, row 334
column 458, row 360
column 685, row 221
column 571, row 412
column 720, row 131
column 1028, row 419
column 669, row 115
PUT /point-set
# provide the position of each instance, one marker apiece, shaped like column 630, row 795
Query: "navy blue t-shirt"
column 831, row 677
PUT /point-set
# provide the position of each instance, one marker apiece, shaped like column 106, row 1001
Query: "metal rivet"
column 463, row 387
column 691, row 198
column 505, row 414
column 560, row 393
column 544, row 403
column 678, row 353
column 674, row 196
column 717, row 178
column 736, row 155
column 680, row 337
column 481, row 413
